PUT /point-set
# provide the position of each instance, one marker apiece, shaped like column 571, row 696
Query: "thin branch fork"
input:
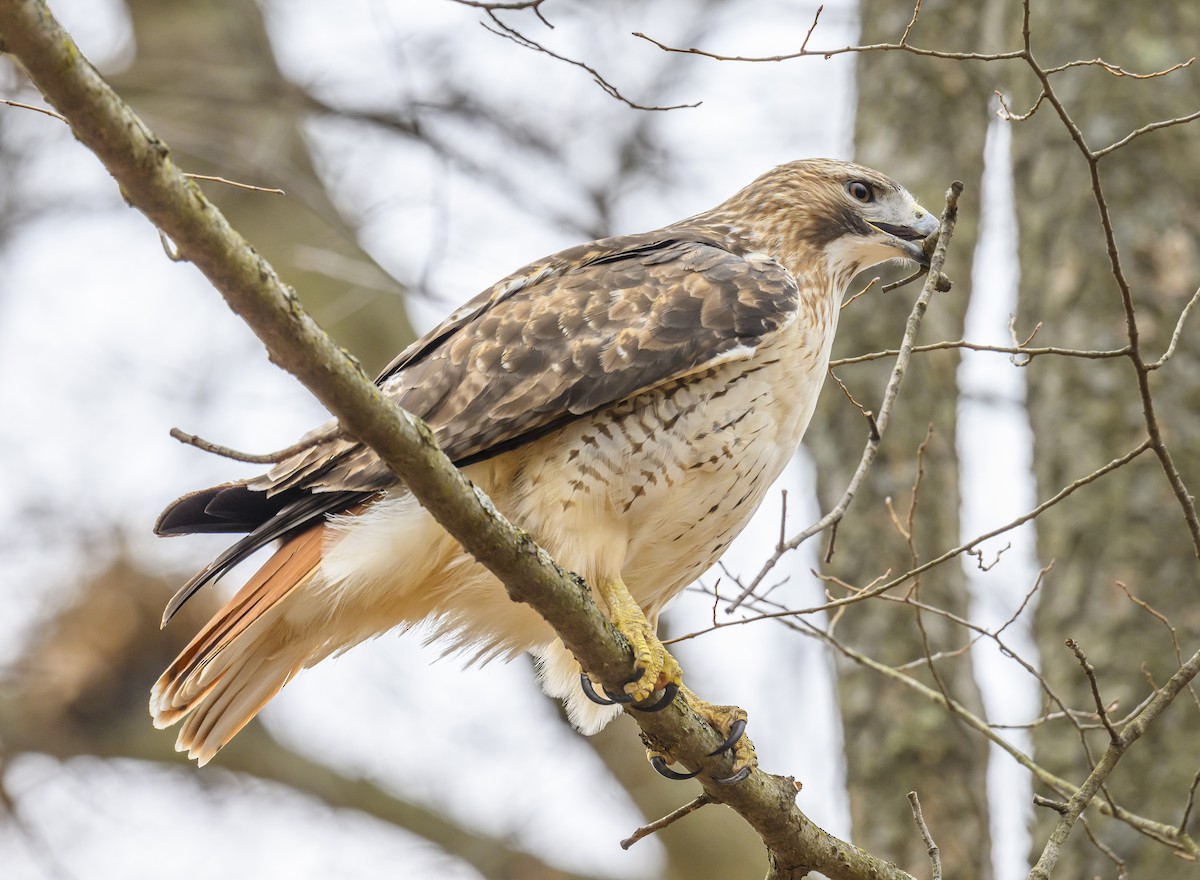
column 904, row 46
column 887, row 586
column 1117, row 747
column 1169, row 835
column 1159, row 831
column 1142, row 370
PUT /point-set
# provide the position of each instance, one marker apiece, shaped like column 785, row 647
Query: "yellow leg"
column 658, row 668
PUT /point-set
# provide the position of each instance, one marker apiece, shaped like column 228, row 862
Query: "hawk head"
column 847, row 214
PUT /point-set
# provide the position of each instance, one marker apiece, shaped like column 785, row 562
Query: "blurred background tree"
column 893, row 742
column 1086, row 413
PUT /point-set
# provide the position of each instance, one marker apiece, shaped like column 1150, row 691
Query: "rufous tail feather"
column 241, row 658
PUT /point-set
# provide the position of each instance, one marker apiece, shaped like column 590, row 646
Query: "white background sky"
column 140, row 344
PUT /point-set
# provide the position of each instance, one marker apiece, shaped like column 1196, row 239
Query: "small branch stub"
column 672, row 817
column 935, row 854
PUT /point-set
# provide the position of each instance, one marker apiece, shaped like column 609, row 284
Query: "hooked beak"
column 910, row 240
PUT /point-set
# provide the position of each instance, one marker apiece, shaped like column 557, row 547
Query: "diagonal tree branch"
column 150, row 181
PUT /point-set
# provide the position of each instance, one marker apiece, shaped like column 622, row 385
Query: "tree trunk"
column 1127, row 527
column 924, row 123
column 204, row 78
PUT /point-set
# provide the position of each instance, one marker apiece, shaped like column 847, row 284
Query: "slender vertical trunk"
column 923, row 123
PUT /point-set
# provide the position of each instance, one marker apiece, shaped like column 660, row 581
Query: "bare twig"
column 935, row 854
column 250, row 186
column 41, row 110
column 247, row 457
column 870, row 284
column 805, row 52
column 872, row 425
column 812, row 27
column 1191, row 802
column 1175, row 335
column 1104, row 849
column 1012, row 332
column 1006, row 113
column 508, row 32
column 1031, row 353
column 1145, row 129
column 1090, row 672
column 1120, row 71
column 981, row 565
column 907, row 279
column 1059, row 807
column 670, row 818
column 1161, row 618
column 782, row 517
column 903, row 40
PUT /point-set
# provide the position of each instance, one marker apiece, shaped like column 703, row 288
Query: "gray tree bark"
column 924, row 123
column 1128, row 527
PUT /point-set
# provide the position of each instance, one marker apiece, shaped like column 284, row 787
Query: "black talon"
column 669, row 693
column 617, row 698
column 590, row 692
column 735, row 733
column 735, row 778
column 659, row 763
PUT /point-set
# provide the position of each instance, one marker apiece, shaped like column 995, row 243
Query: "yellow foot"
column 729, row 721
column 655, row 668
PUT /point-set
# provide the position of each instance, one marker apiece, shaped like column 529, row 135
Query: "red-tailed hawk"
column 627, row 402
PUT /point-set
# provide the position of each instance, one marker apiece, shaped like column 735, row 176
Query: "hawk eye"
column 860, row 191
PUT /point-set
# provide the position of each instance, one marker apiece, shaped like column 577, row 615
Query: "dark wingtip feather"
column 186, row 515
column 230, row 507
column 281, row 514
